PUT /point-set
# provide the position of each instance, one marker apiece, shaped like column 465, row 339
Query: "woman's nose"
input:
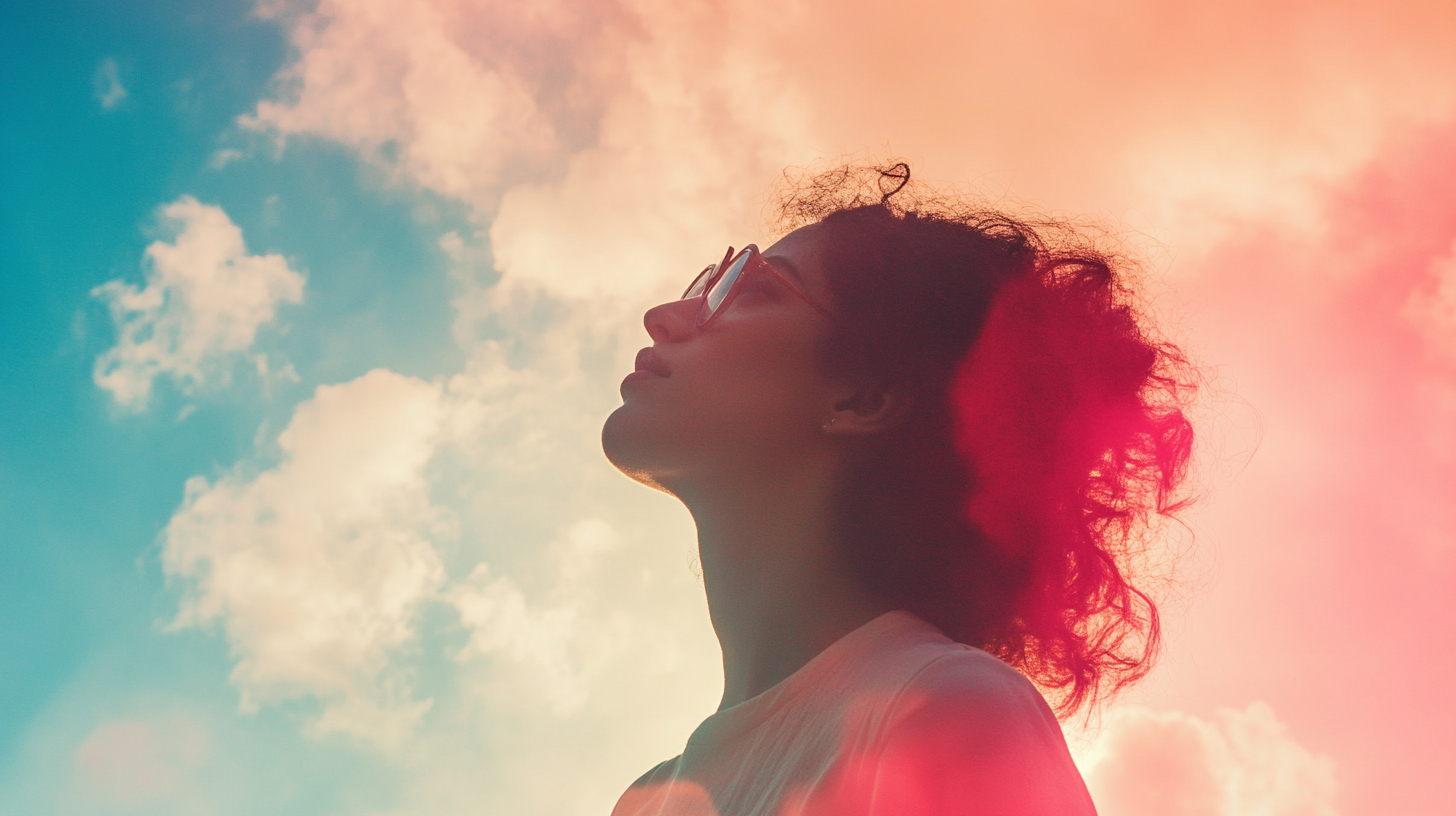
column 672, row 321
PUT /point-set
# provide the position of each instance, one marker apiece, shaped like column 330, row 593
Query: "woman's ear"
column 867, row 410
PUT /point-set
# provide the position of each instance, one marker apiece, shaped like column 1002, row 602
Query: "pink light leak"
column 1335, row 550
column 1297, row 160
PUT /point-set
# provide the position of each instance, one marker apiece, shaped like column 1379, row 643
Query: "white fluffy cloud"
column 394, row 494
column 316, row 568
column 558, row 644
column 541, row 602
column 394, row 81
column 606, row 148
column 1239, row 763
column 204, row 300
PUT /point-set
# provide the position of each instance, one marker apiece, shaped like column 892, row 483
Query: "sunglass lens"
column 724, row 284
column 700, row 283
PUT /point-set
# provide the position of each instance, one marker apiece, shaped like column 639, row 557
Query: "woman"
column 919, row 441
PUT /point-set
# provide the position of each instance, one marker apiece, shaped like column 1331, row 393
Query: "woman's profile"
column 918, row 439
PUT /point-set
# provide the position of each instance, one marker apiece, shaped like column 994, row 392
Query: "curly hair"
column 1046, row 427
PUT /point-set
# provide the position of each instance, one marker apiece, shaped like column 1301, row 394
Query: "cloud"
column 106, row 85
column 422, row 102
column 606, row 123
column 1187, row 122
column 204, row 300
column 222, row 157
column 547, row 595
column 559, row 603
column 610, row 146
column 557, row 644
column 315, row 569
column 318, row 568
column 1238, row 763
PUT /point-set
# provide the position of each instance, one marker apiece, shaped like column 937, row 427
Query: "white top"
column 893, row 719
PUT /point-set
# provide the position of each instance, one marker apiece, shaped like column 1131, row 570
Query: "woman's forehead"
column 796, row 255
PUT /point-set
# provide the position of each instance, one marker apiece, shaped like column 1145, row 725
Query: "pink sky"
column 1332, row 591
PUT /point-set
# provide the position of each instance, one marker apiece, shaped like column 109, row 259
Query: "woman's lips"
column 647, row 360
column 649, row 367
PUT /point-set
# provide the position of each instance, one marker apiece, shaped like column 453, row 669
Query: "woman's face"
column 739, row 396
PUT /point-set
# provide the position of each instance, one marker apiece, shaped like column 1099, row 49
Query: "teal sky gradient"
column 85, row 489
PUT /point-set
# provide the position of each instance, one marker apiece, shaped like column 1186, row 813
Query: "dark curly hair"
column 1046, row 426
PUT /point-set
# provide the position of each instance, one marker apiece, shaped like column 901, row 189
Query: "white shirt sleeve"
column 972, row 737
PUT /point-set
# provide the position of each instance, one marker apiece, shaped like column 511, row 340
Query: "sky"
column 311, row 314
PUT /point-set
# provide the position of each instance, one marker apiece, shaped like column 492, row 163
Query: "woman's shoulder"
column 964, row 676
column 967, row 729
column 933, row 670
column 971, row 694
column 661, row 773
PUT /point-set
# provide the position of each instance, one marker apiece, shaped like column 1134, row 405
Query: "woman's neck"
column 779, row 592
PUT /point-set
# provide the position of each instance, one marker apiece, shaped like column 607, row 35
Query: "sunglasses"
column 719, row 283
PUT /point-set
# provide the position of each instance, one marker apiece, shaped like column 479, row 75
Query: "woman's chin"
column 633, row 447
